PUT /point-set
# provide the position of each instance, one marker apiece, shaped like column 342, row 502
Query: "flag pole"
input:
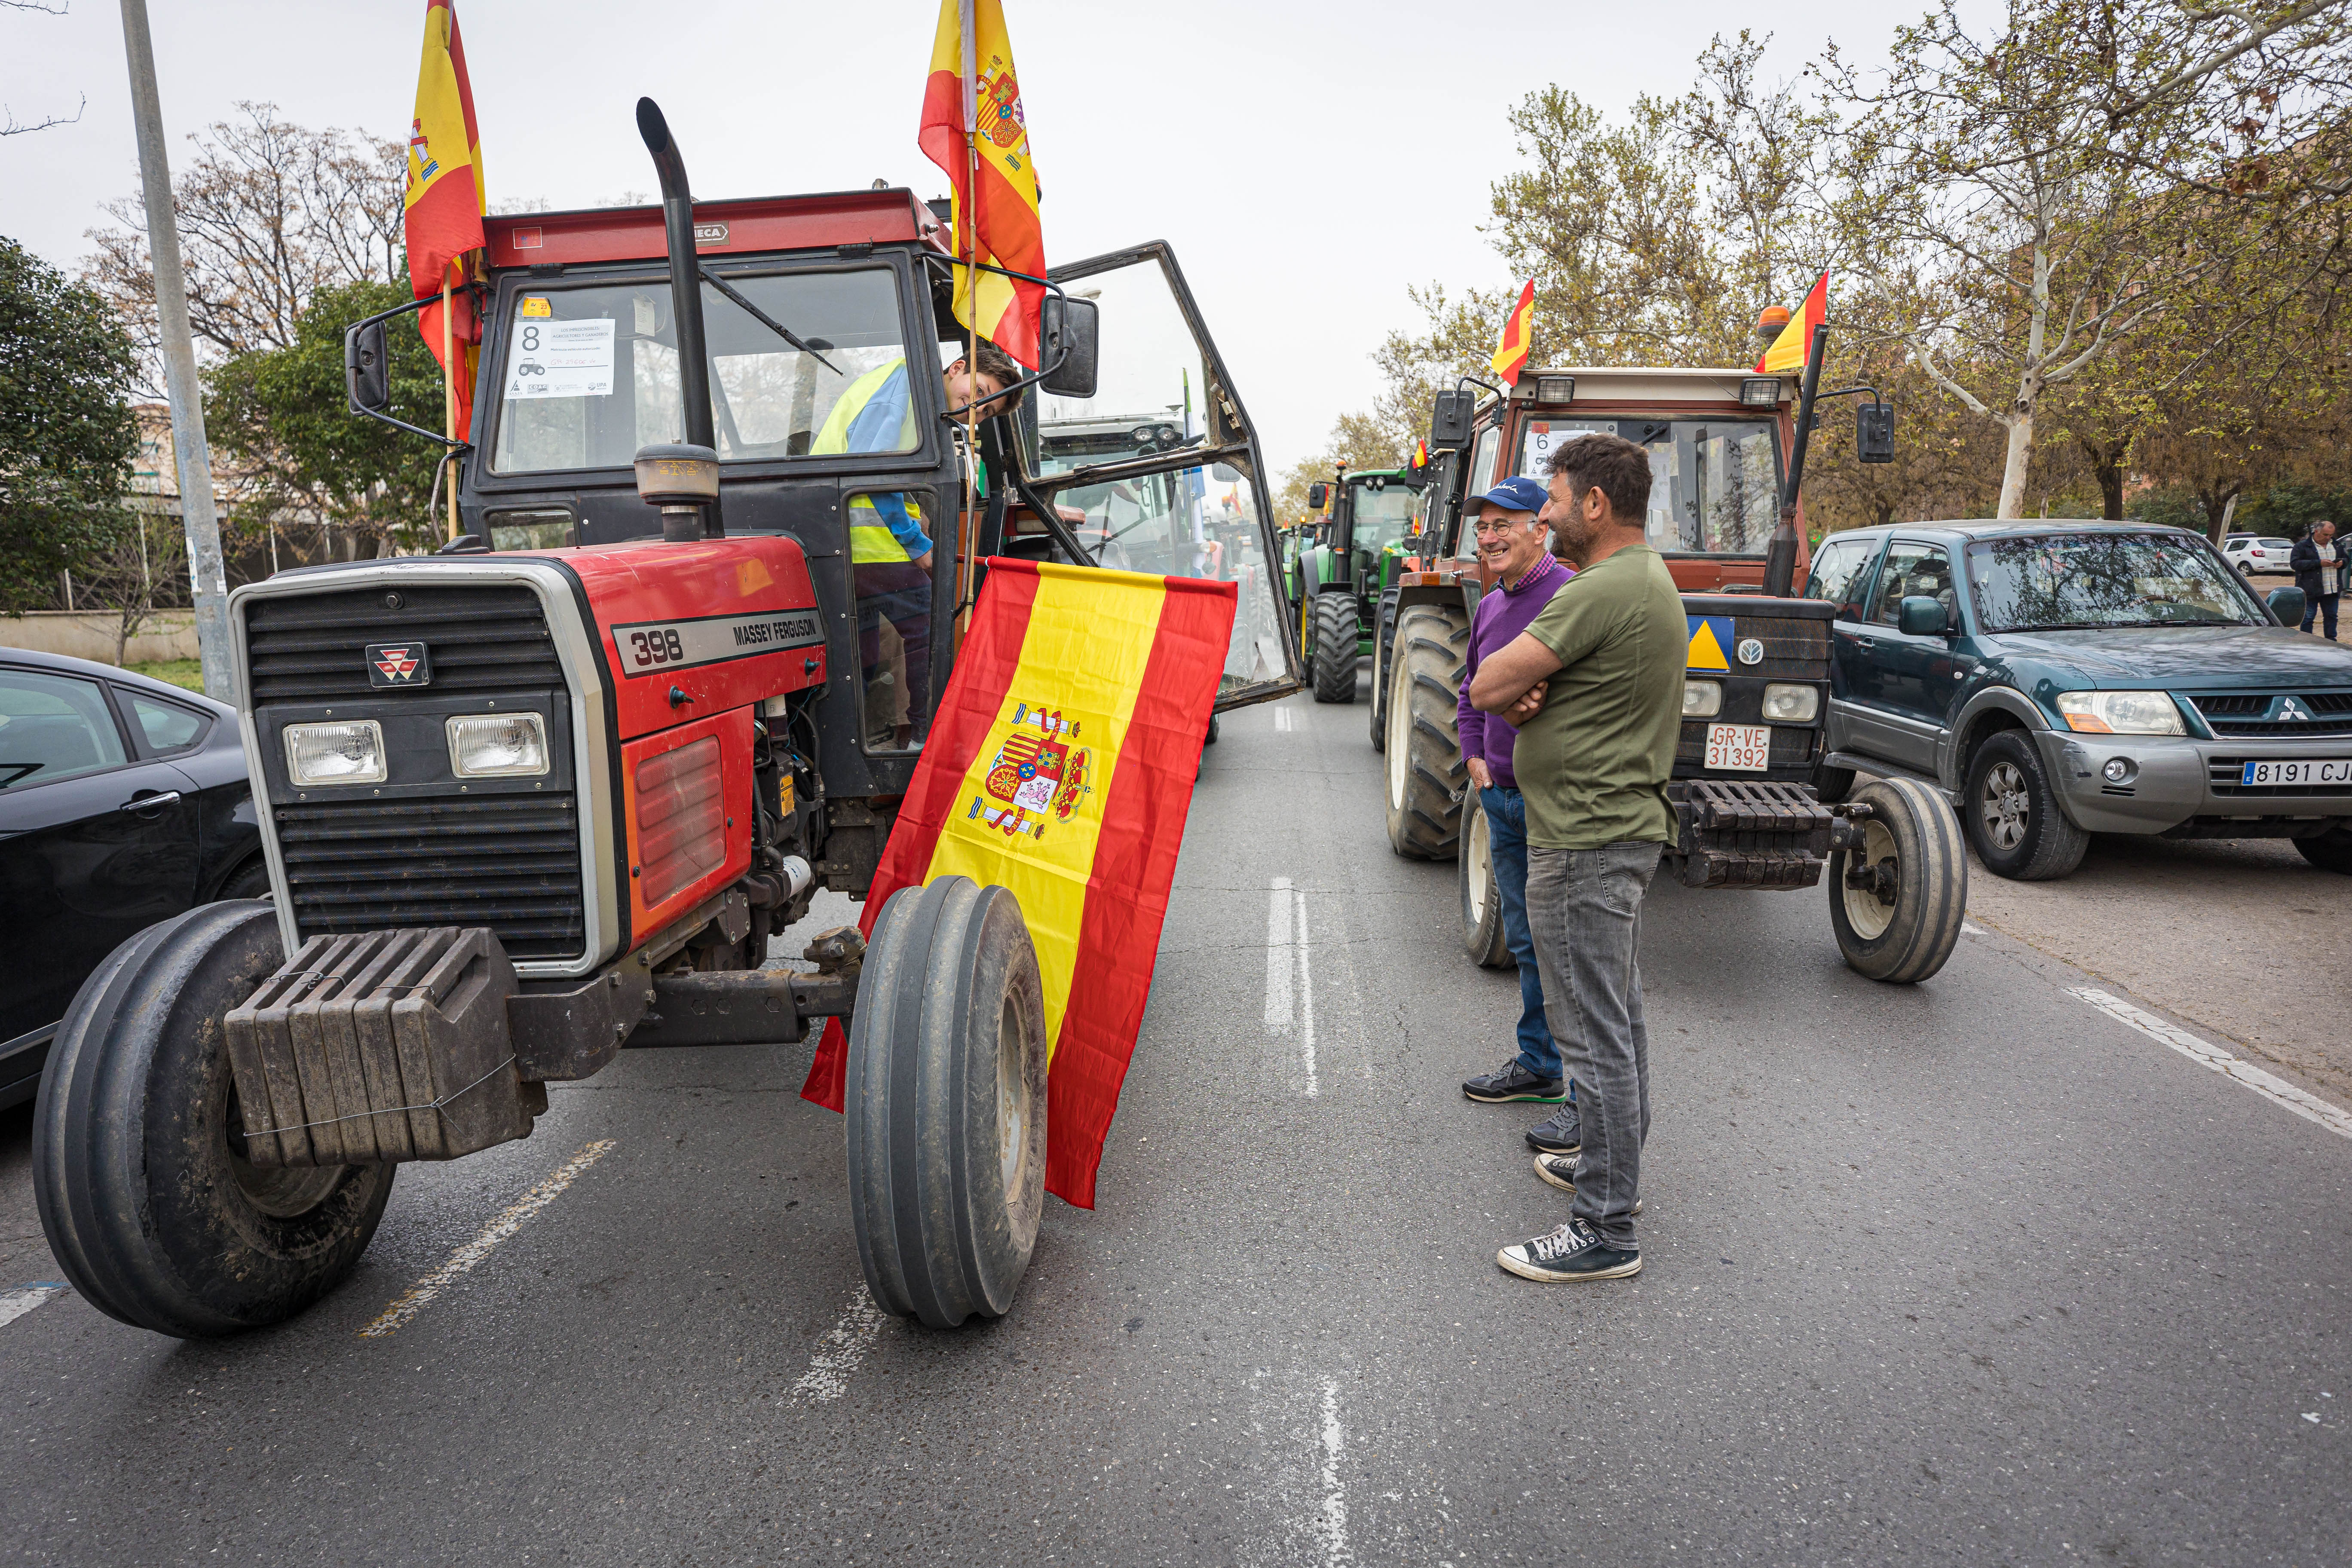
column 965, row 21
column 449, row 389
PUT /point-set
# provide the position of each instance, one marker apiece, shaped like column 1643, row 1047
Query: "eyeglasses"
column 1500, row 525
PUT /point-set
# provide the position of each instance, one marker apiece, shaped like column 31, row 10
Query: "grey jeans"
column 1584, row 906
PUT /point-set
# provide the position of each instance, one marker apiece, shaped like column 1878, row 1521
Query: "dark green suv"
column 2058, row 679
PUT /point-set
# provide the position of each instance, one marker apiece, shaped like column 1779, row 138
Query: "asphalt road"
column 1970, row 1273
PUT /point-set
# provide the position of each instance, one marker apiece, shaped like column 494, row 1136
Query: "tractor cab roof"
column 758, row 225
column 1569, row 386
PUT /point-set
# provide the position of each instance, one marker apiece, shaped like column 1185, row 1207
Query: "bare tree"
column 9, row 124
column 270, row 213
column 2058, row 185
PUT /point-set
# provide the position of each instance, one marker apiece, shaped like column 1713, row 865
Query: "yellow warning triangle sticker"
column 1705, row 653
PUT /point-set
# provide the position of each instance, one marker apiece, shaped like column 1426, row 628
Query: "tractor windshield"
column 1715, row 484
column 590, row 371
column 1135, row 525
column 1387, row 512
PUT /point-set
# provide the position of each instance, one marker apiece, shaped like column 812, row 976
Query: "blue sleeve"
column 892, row 507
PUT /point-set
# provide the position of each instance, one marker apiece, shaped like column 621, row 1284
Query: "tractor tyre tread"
column 1425, row 778
column 1932, row 897
column 1334, row 623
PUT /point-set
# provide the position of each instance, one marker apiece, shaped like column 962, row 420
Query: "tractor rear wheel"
column 1900, row 921
column 947, row 1103
column 1425, row 775
column 1482, row 900
column 139, row 1165
column 1334, row 654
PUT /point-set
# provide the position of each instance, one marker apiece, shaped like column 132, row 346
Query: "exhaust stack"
column 686, row 299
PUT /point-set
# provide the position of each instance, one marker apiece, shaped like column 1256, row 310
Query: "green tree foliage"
column 67, row 435
column 281, row 417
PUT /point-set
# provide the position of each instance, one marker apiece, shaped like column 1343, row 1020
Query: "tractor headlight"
column 497, row 745
column 2120, row 713
column 344, row 753
column 1786, row 702
column 1702, row 699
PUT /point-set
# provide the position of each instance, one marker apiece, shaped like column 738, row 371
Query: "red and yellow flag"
column 1061, row 765
column 1518, row 332
column 442, row 207
column 972, row 115
column 1789, row 349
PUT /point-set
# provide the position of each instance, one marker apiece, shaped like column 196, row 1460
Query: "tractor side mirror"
column 2288, row 605
column 1449, row 421
column 1316, row 494
column 1873, row 432
column 1922, row 616
column 367, row 370
column 1070, row 330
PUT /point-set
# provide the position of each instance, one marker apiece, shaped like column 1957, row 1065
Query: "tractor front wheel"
column 1426, row 778
column 1334, row 654
column 1383, row 650
column 139, row 1166
column 947, row 1103
column 1896, row 903
column 1482, row 900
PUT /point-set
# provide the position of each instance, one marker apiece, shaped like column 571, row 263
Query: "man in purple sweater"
column 1514, row 543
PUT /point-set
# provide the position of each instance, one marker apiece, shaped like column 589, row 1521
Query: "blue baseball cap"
column 1519, row 494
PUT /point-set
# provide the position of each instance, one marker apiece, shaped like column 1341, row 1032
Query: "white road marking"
column 15, row 1303
column 1289, row 980
column 415, row 1300
column 1331, row 1524
column 1969, row 930
column 2310, row 1107
column 843, row 1347
column 1285, row 720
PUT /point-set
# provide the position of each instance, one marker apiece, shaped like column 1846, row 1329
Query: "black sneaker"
column 1571, row 1252
column 1556, row 1133
column 1511, row 1081
column 1560, row 1170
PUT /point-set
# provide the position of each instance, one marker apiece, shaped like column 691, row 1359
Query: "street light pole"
column 207, row 577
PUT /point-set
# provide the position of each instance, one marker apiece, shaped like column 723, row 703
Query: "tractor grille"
column 1793, row 649
column 491, row 637
column 507, row 862
column 2238, row 713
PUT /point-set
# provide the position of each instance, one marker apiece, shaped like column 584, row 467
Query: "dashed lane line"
column 2310, row 1107
column 1290, row 1007
column 509, row 1220
column 1331, row 1518
column 22, row 1299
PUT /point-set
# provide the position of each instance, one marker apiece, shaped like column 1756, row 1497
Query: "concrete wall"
column 169, row 634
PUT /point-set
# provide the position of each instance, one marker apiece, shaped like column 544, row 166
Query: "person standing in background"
column 1512, row 541
column 2318, row 572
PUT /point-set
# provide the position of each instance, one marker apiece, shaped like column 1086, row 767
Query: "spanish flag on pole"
column 1519, row 334
column 1787, row 350
column 1060, row 765
column 443, row 207
column 974, row 127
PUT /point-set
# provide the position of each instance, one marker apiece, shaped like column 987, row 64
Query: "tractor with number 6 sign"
column 1727, row 454
column 547, row 794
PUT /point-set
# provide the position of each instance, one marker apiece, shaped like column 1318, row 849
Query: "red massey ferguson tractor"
column 547, row 794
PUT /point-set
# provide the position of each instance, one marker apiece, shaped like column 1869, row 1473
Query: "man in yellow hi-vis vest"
column 889, row 553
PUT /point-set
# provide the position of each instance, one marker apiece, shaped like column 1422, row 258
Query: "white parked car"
column 2255, row 553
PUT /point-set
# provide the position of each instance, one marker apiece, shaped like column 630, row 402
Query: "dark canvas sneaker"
column 1560, row 1170
column 1569, row 1253
column 1511, row 1081
column 1556, row 1133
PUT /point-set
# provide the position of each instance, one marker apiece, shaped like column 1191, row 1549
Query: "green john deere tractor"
column 1341, row 580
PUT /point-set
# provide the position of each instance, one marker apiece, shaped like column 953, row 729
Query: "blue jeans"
column 1507, row 835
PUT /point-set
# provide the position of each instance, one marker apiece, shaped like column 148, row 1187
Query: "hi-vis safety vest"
column 870, row 539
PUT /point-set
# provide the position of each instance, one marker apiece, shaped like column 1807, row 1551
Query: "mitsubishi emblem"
column 2292, row 707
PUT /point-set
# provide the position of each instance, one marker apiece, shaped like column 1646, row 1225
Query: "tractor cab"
column 1377, row 518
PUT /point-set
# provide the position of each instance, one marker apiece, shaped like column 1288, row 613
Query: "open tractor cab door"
column 1727, row 458
column 547, row 794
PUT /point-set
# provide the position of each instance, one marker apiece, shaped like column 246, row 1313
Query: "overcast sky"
column 1308, row 161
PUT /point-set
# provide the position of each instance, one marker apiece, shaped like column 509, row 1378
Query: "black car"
column 2059, row 680
column 122, row 802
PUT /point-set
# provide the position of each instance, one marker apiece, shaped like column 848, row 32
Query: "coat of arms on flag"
column 1041, row 776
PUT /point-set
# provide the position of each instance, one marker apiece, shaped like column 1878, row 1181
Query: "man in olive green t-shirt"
column 1595, row 686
